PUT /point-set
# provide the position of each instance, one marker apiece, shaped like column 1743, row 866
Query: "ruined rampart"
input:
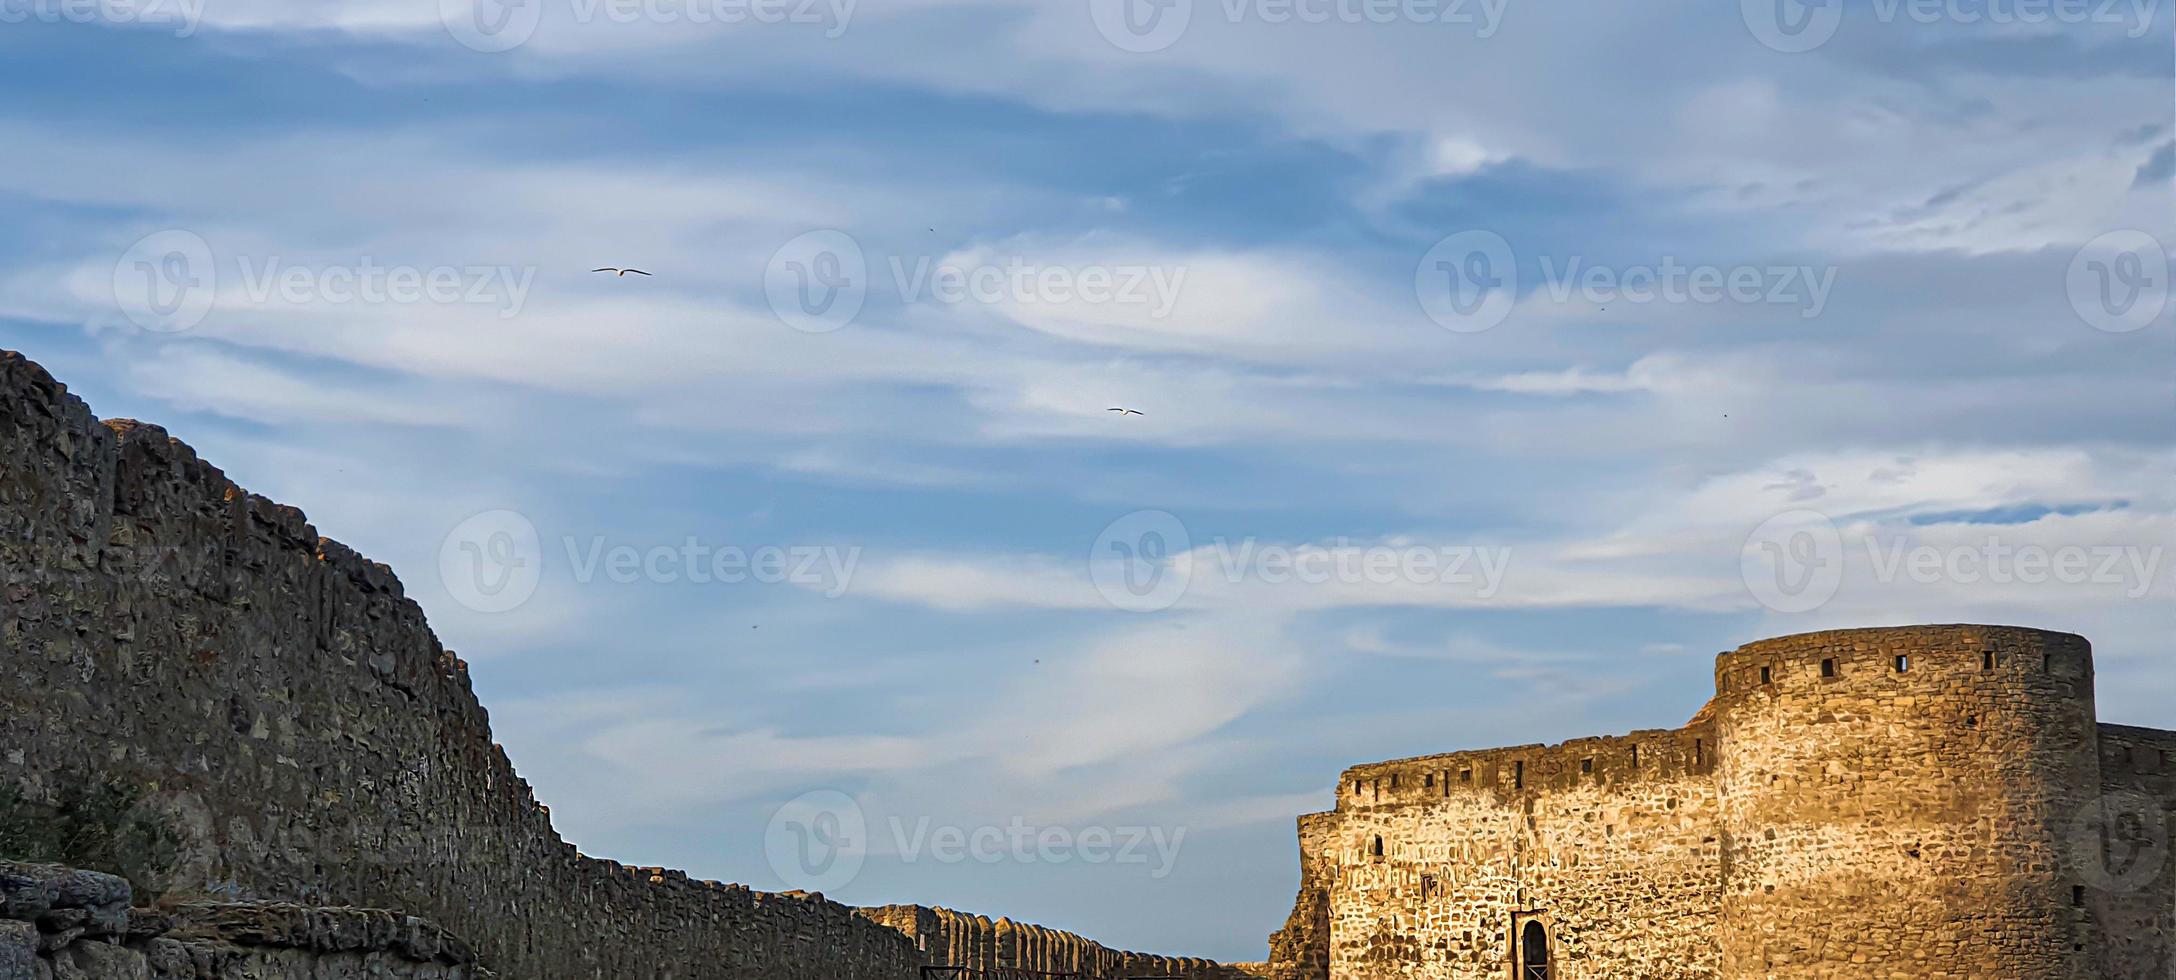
column 198, row 690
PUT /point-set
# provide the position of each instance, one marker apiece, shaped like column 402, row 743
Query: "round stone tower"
column 1900, row 797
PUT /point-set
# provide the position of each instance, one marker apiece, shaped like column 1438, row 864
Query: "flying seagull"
column 1124, row 411
column 622, row 272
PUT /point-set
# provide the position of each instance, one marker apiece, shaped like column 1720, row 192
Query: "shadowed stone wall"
column 1931, row 802
column 274, row 704
column 199, row 691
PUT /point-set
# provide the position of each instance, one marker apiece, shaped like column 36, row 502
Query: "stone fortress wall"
column 975, row 942
column 1932, row 802
column 270, row 705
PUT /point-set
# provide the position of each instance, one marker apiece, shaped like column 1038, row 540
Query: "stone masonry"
column 196, row 685
column 66, row 924
column 1932, row 803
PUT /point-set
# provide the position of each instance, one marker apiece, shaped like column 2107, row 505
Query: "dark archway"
column 1534, row 952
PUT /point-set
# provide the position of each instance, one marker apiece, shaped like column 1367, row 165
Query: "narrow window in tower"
column 2077, row 895
column 1828, row 667
column 1518, row 775
column 1766, row 677
column 1987, row 660
column 1376, row 849
column 1699, row 751
column 1586, row 765
column 1903, row 663
column 1635, row 757
column 1465, row 775
column 1428, row 781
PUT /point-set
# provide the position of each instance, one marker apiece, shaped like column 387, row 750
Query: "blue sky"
column 1950, row 349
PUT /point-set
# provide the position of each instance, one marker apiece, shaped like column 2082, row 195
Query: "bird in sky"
column 1125, row 411
column 622, row 272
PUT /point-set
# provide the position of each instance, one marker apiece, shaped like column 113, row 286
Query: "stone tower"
column 1903, row 796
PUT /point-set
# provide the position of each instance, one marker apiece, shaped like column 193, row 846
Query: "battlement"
column 1594, row 762
column 1901, row 654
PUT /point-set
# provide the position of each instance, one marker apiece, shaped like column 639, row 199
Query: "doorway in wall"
column 1534, row 951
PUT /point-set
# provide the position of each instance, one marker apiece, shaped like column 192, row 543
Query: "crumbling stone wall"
column 274, row 701
column 1301, row 950
column 67, row 924
column 200, row 692
column 949, row 938
column 1932, row 802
